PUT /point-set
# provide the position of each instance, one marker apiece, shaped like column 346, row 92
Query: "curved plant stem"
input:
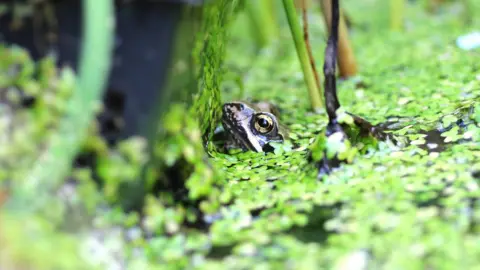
column 347, row 64
column 307, row 44
column 308, row 74
column 53, row 165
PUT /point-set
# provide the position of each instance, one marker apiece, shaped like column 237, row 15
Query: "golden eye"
column 263, row 123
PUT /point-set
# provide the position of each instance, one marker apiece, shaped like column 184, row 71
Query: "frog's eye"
column 264, row 123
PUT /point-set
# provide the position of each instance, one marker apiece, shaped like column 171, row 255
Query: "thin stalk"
column 308, row 74
column 54, row 164
column 396, row 14
column 307, row 43
column 347, row 64
column 301, row 4
column 263, row 21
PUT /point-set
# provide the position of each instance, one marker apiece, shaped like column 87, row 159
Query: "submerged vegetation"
column 406, row 195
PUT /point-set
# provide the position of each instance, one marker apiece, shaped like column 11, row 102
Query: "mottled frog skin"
column 252, row 126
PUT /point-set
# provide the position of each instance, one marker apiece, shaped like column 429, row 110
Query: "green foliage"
column 26, row 128
column 122, row 165
column 209, row 55
column 389, row 207
column 28, row 242
column 182, row 146
column 343, row 146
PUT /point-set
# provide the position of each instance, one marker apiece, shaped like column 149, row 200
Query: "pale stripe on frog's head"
column 252, row 129
column 236, row 121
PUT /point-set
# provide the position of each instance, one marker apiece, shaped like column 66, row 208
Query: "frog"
column 252, row 126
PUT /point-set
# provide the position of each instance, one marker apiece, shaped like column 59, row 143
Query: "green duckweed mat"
column 415, row 206
column 409, row 207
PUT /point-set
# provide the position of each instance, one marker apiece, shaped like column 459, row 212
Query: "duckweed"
column 390, row 206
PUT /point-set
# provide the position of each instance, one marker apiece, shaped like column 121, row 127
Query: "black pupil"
column 263, row 123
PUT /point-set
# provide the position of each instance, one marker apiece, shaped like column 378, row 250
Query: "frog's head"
column 251, row 129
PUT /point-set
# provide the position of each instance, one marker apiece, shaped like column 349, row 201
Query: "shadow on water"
column 314, row 231
column 434, row 142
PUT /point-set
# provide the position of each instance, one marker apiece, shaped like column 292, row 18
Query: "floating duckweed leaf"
column 448, row 120
column 344, row 117
column 451, row 135
column 318, row 147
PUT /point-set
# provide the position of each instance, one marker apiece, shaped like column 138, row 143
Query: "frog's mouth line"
column 242, row 135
